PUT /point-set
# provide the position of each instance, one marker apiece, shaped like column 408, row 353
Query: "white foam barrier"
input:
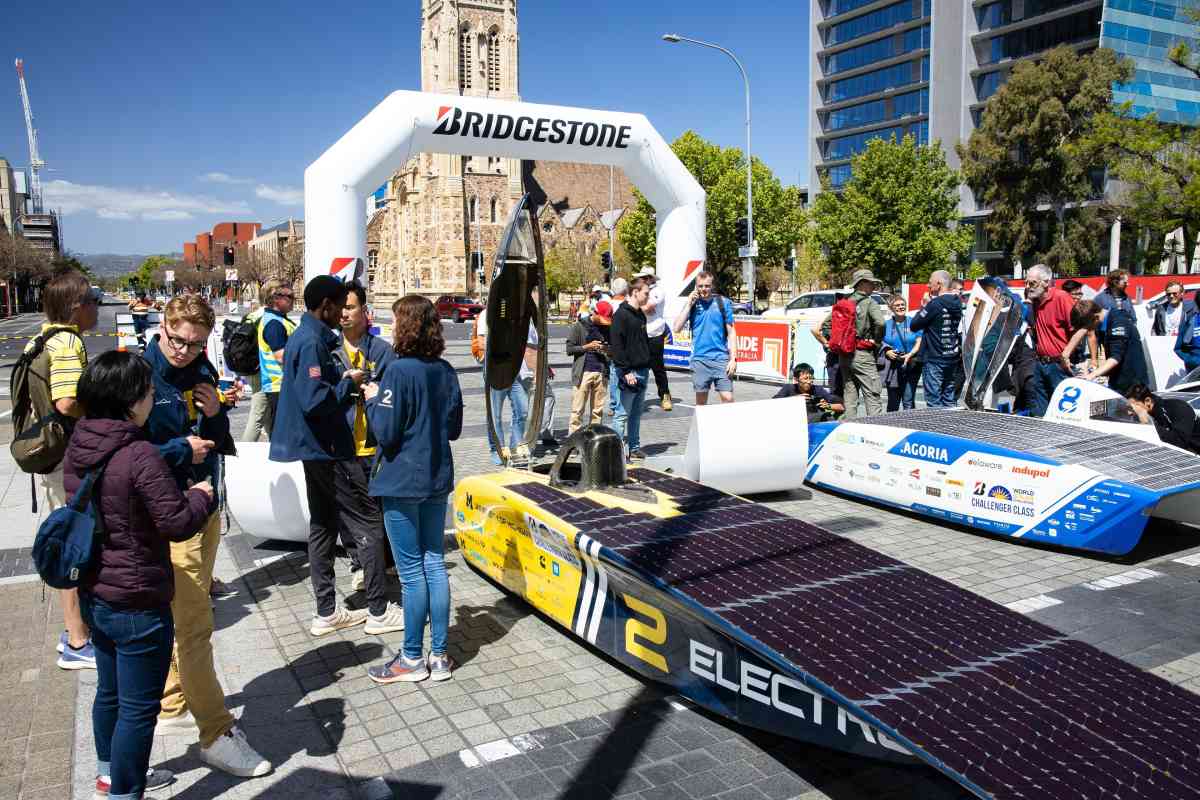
column 745, row 447
column 267, row 498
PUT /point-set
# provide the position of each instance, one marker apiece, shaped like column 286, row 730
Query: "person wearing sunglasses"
column 1170, row 313
column 190, row 424
column 274, row 329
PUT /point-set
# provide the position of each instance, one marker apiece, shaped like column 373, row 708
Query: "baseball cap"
column 603, row 309
column 598, row 288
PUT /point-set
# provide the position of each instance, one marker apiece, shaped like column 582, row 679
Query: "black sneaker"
column 637, row 455
column 549, row 441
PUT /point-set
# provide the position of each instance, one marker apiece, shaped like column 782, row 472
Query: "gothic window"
column 372, row 261
column 548, row 227
column 464, row 58
column 492, row 213
column 473, row 209
column 587, row 227
column 493, row 60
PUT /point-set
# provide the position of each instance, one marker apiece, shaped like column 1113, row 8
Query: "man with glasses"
column 1053, row 330
column 190, row 425
column 273, row 331
column 1171, row 312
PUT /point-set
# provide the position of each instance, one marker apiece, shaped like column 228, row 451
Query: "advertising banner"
column 231, row 275
column 764, row 348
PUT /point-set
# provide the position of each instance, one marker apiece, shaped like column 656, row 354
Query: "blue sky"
column 160, row 119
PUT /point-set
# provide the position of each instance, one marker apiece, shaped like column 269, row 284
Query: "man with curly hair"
column 311, row 427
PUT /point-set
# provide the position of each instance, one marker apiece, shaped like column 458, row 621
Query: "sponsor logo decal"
column 925, row 452
column 915, row 474
column 933, row 491
column 453, row 121
column 998, row 498
column 873, row 465
column 1069, row 400
column 980, row 489
column 954, row 481
column 1000, row 493
column 1031, row 472
column 985, row 464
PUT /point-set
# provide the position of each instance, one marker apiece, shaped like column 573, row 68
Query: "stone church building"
column 438, row 208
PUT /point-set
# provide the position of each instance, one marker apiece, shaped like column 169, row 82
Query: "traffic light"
column 789, row 264
column 607, row 262
column 743, row 231
column 230, row 253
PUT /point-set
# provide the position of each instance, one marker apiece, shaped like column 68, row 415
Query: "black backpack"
column 240, row 345
column 40, row 432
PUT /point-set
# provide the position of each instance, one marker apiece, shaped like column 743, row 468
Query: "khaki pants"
column 860, row 377
column 50, row 493
column 259, row 421
column 192, row 683
column 591, row 388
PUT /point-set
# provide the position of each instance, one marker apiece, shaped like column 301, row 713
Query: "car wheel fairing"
column 518, row 272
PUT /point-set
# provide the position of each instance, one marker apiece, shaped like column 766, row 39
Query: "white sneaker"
column 179, row 725
column 233, row 754
column 341, row 618
column 390, row 621
column 358, row 581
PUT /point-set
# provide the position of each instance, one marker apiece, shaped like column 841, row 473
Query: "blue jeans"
column 519, row 400
column 133, row 655
column 905, row 395
column 1046, row 378
column 614, row 393
column 416, row 533
column 940, row 381
column 628, row 419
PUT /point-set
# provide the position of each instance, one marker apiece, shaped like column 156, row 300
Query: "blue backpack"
column 69, row 538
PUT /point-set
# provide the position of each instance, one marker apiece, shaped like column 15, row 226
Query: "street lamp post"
column 749, row 263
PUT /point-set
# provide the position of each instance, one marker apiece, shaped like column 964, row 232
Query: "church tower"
column 440, row 208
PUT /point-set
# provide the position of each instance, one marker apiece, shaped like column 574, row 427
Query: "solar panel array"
column 1005, row 702
column 1132, row 460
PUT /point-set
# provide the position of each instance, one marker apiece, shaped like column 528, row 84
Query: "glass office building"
column 882, row 69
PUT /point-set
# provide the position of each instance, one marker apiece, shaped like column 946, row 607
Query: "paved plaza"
column 532, row 712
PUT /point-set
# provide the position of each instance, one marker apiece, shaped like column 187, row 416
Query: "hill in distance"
column 112, row 265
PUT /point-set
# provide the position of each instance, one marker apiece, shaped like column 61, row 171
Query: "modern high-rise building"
column 882, row 68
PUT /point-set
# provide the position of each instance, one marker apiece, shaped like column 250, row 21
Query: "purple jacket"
column 143, row 512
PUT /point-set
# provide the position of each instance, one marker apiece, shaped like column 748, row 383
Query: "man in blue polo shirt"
column 710, row 316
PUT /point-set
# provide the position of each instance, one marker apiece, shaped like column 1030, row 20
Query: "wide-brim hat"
column 647, row 272
column 598, row 288
column 862, row 275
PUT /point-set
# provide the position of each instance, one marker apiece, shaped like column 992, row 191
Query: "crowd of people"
column 1067, row 336
column 370, row 421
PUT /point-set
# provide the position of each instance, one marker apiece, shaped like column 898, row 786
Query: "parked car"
column 459, row 308
column 811, row 308
column 745, row 307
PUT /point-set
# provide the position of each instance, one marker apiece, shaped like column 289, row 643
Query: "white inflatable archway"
column 268, row 499
column 337, row 184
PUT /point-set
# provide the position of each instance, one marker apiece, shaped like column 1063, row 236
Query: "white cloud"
column 167, row 215
column 223, row 177
column 122, row 203
column 284, row 195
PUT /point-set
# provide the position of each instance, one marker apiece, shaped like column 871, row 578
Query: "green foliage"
column 1025, row 153
column 1182, row 53
column 975, row 271
column 150, row 273
column 1158, row 165
column 896, row 216
column 778, row 216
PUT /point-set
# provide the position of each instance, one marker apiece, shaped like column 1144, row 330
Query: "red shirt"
column 1052, row 322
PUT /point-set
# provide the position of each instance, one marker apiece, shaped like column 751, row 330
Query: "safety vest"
column 270, row 369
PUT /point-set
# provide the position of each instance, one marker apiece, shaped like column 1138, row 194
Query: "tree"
column 1024, row 153
column 778, row 215
column 1158, row 165
column 897, row 214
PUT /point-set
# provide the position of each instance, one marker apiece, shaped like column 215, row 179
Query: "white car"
column 811, row 308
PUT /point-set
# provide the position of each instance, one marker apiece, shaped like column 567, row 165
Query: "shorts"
column 706, row 374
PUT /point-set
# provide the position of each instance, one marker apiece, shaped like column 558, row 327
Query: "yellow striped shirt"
column 67, row 357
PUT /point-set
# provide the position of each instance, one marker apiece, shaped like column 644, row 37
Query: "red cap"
column 604, row 309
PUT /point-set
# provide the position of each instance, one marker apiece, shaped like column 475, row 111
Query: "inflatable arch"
column 336, row 184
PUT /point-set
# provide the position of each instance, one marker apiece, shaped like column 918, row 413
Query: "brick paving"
column 37, row 699
column 531, row 712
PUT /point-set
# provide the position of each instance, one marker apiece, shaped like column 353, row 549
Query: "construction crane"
column 35, row 162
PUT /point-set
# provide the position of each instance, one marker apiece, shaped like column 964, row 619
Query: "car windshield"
column 1116, row 409
column 822, row 300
